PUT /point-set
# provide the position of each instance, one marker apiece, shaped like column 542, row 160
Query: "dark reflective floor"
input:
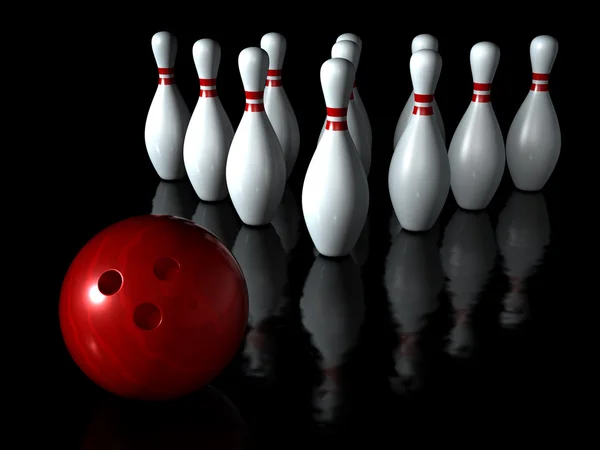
column 409, row 331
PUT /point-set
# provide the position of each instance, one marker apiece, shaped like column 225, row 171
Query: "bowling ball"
column 204, row 420
column 153, row 307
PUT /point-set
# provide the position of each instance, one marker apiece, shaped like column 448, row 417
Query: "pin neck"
column 423, row 105
column 336, row 119
column 208, row 87
column 481, row 92
column 540, row 82
column 274, row 78
column 254, row 101
column 166, row 75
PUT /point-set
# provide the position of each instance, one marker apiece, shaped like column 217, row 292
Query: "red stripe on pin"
column 424, row 98
column 336, row 126
column 208, row 81
column 255, row 107
column 274, row 73
column 166, row 71
column 479, row 98
column 166, row 81
column 208, row 93
column 539, row 87
column 254, row 95
column 541, row 76
column 337, row 112
column 482, row 86
column 423, row 111
column 274, row 83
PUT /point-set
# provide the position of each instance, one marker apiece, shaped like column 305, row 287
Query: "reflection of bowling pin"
column 168, row 116
column 220, row 219
column 419, row 173
column 468, row 256
column 360, row 252
column 335, row 194
column 255, row 170
column 534, row 139
column 394, row 226
column 420, row 42
column 261, row 257
column 277, row 104
column 287, row 221
column 358, row 128
column 210, row 132
column 523, row 232
column 333, row 309
column 413, row 279
column 174, row 199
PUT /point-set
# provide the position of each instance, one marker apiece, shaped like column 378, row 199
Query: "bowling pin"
column 255, row 170
column 413, row 279
column 476, row 152
column 360, row 106
column 420, row 42
column 523, row 234
column 335, row 194
column 356, row 125
column 277, row 105
column 468, row 257
column 419, row 175
column 333, row 310
column 168, row 116
column 534, row 140
column 210, row 132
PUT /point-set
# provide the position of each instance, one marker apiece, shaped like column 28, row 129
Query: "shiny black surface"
column 410, row 327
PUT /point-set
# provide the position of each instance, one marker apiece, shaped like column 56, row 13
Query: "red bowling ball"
column 153, row 307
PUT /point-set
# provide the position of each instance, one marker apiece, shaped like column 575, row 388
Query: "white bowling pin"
column 210, row 132
column 174, row 199
column 168, row 116
column 333, row 311
column 523, row 233
column 335, row 194
column 360, row 106
column 420, row 42
column 255, row 170
column 262, row 260
column 419, row 175
column 534, row 140
column 476, row 153
column 220, row 219
column 468, row 257
column 413, row 279
column 277, row 104
column 356, row 125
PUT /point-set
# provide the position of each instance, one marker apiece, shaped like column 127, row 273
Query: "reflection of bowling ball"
column 153, row 307
column 205, row 420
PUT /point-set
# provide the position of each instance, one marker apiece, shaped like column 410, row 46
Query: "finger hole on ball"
column 110, row 282
column 147, row 316
column 166, row 268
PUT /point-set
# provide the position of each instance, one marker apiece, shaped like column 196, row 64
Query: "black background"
column 108, row 177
